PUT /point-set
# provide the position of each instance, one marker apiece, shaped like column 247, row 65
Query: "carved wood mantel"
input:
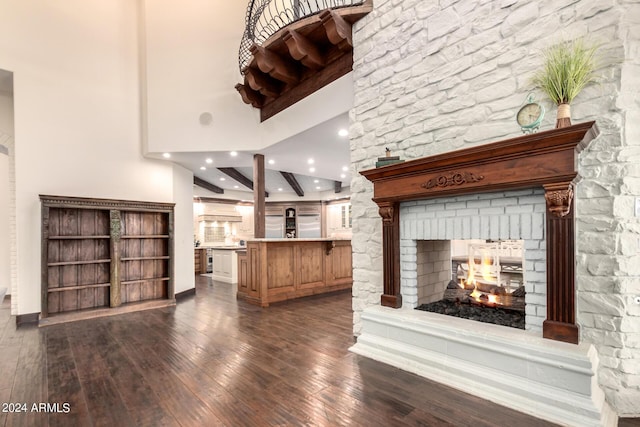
column 545, row 159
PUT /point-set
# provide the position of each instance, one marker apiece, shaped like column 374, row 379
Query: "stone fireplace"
column 545, row 161
column 518, row 189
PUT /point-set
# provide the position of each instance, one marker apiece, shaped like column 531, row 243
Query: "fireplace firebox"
column 483, row 280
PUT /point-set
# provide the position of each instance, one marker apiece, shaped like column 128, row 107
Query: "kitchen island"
column 272, row 270
column 225, row 263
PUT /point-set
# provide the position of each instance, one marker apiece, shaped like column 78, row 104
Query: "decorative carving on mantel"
column 559, row 199
column 452, row 178
column 386, row 212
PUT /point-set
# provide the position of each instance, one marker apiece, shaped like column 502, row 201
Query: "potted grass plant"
column 568, row 67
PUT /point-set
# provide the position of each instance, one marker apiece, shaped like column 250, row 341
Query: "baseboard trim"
column 27, row 319
column 185, row 294
column 73, row 316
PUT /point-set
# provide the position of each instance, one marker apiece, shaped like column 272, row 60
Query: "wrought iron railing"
column 265, row 17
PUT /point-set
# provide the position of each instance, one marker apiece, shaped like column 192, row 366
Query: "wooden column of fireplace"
column 546, row 159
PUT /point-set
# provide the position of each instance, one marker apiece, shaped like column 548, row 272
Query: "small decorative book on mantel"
column 388, row 159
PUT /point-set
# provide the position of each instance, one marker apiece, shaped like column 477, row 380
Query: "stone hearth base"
column 548, row 379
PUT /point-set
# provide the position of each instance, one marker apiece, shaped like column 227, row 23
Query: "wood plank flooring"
column 213, row 360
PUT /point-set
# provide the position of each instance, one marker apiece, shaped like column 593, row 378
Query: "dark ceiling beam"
column 207, row 185
column 337, row 186
column 293, row 182
column 235, row 174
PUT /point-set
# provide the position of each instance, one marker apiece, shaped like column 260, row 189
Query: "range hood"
column 220, row 218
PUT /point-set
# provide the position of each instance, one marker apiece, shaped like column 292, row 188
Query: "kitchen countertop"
column 319, row 239
column 222, row 248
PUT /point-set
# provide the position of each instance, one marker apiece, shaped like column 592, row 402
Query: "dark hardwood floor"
column 213, row 360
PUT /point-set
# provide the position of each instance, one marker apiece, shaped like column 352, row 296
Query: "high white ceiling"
column 321, row 145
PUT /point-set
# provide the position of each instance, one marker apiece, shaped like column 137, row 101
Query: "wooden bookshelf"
column 99, row 253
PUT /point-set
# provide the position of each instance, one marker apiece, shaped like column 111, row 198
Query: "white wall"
column 183, row 227
column 77, row 116
column 5, row 275
column 6, row 132
column 192, row 68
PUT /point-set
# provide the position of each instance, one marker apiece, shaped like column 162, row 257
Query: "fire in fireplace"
column 486, row 282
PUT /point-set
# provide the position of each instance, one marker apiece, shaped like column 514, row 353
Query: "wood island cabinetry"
column 200, row 260
column 282, row 269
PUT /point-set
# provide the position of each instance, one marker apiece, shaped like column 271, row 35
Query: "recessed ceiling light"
column 202, row 168
column 279, row 189
column 235, row 186
column 343, row 176
column 317, row 188
column 310, row 161
column 209, row 161
column 223, row 179
column 345, row 168
column 234, row 153
column 166, row 155
column 271, row 161
column 312, row 170
column 343, row 132
column 315, row 181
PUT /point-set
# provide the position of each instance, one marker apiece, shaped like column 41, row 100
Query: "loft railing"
column 265, row 17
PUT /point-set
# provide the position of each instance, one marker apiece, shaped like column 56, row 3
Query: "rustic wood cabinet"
column 103, row 253
column 282, row 269
column 200, row 260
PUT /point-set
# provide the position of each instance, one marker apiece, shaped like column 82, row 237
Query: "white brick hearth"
column 549, row 379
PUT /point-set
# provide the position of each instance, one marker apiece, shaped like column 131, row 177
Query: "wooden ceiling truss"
column 207, row 185
column 236, row 175
column 293, row 183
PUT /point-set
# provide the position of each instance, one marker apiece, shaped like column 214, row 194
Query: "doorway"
column 7, row 187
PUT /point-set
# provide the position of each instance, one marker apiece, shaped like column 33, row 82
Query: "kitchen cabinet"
column 299, row 220
column 338, row 218
column 200, row 260
column 290, row 229
column 246, row 226
column 225, row 264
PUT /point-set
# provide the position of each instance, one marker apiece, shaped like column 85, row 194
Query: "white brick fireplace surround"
column 516, row 215
column 519, row 188
column 548, row 379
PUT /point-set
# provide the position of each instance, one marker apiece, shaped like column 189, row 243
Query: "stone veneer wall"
column 431, row 77
column 516, row 215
